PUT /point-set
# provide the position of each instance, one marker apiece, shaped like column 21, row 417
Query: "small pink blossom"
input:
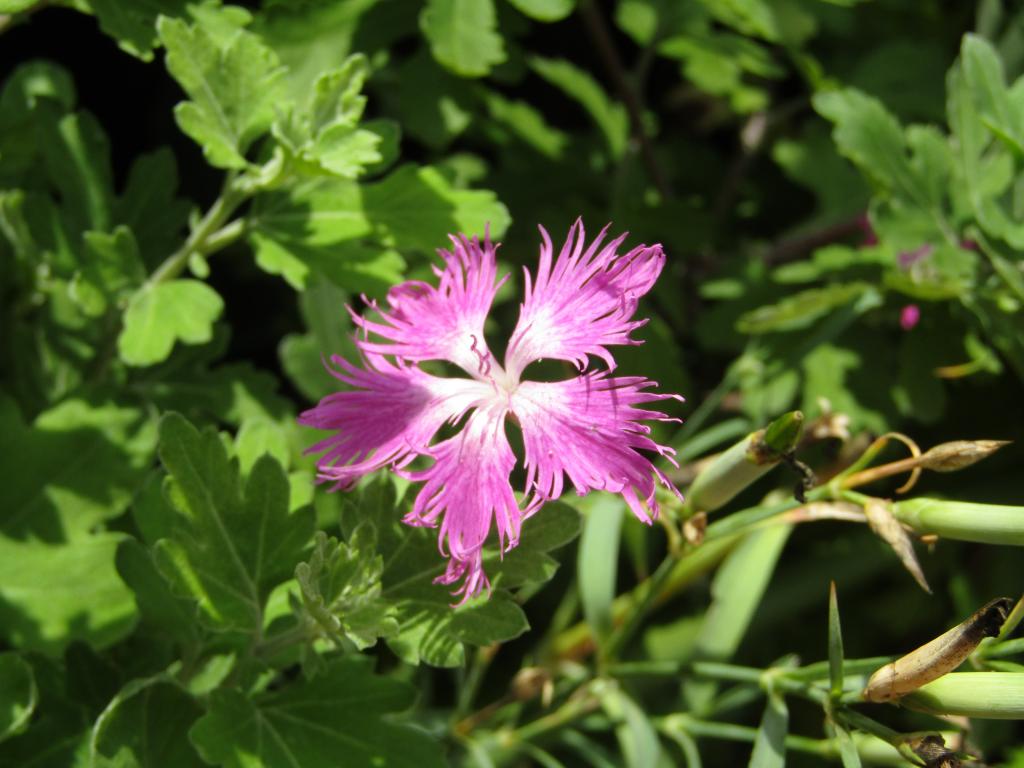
column 909, row 316
column 588, row 428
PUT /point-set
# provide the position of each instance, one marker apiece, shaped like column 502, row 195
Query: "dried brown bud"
column 829, row 425
column 932, row 749
column 528, row 683
column 949, row 457
column 694, row 527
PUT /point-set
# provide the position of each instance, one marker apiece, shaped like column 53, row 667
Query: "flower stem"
column 732, row 732
column 212, row 233
column 579, row 705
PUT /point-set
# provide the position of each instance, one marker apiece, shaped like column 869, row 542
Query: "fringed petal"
column 590, row 428
column 466, row 488
column 442, row 323
column 387, row 418
column 582, row 303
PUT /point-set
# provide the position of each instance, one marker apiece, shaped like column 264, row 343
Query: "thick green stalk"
column 964, row 521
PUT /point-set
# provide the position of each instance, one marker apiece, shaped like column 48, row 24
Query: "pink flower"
column 909, row 316
column 588, row 427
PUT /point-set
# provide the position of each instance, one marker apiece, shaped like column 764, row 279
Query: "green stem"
column 819, row 670
column 850, row 718
column 732, row 672
column 649, row 591
column 212, row 233
column 731, row 732
column 471, row 683
column 272, row 646
column 1007, row 648
column 580, row 705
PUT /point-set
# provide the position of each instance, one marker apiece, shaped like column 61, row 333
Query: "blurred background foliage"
column 189, row 195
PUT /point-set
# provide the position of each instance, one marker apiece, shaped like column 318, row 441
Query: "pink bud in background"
column 867, row 231
column 909, row 316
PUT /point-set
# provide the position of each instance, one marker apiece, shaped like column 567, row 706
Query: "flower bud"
column 744, row 463
column 949, row 457
column 962, row 520
column 990, row 695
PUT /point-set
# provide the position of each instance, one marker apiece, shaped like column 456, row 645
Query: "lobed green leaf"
column 338, row 716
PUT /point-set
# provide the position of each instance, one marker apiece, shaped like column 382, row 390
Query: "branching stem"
column 213, row 232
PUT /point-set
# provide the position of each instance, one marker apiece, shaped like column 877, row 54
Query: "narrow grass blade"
column 835, row 645
column 770, row 744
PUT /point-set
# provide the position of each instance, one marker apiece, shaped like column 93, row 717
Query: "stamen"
column 483, row 357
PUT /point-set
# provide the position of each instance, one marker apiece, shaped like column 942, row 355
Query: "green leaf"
column 227, row 394
column 146, row 726
column 347, row 152
column 910, row 169
column 463, row 35
column 835, row 645
column 337, row 95
column 230, row 545
column 35, row 80
column 318, row 213
column 76, row 154
column 770, row 743
column 312, row 228
column 340, row 588
column 801, row 309
column 324, row 135
column 545, row 10
column 736, row 594
column 433, row 105
column 811, row 159
column 133, row 22
column 418, row 208
column 336, row 718
column 983, row 71
column 330, row 333
column 148, row 206
column 838, row 374
column 161, row 313
column 977, row 107
column 54, row 594
column 597, row 564
column 723, row 63
column 430, row 630
column 164, row 613
column 16, row 6
column 59, row 729
column 352, row 266
column 18, row 694
column 259, row 436
column 313, row 38
column 529, row 561
column 847, row 747
column 111, row 266
column 610, row 117
column 918, row 392
column 77, row 466
column 635, row 733
column 737, row 590
column 234, row 88
column 527, row 124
